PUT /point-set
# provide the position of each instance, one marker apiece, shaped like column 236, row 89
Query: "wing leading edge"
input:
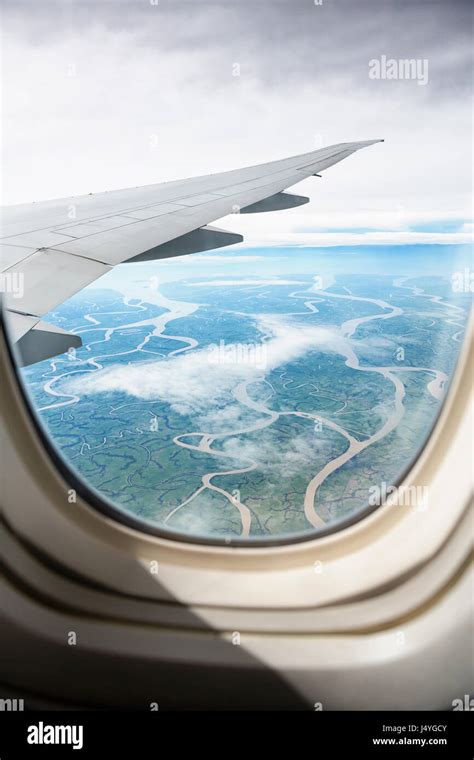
column 51, row 250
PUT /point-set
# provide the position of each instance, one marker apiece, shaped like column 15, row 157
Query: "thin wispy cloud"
column 241, row 283
column 296, row 456
column 333, row 239
column 191, row 382
column 219, row 258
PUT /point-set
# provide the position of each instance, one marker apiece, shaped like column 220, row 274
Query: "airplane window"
column 260, row 395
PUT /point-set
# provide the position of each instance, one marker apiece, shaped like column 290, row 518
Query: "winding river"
column 203, row 441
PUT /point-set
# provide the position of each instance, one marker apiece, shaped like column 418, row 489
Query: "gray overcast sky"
column 111, row 94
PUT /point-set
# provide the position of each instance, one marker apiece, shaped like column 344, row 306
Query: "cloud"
column 331, row 239
column 165, row 74
column 294, row 458
column 273, row 39
column 192, row 382
column 219, row 258
column 353, row 227
column 238, row 283
column 223, row 419
column 377, row 216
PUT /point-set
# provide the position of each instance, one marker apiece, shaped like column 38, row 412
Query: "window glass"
column 256, row 395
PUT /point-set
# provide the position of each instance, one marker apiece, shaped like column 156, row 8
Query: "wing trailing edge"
column 44, row 341
column 52, row 249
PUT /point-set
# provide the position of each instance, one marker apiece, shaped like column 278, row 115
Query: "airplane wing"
column 53, row 249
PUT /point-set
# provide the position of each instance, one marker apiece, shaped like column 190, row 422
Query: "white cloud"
column 337, row 228
column 331, row 239
column 231, row 283
column 223, row 419
column 190, row 381
column 295, row 457
column 329, row 217
column 169, row 86
column 220, row 258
